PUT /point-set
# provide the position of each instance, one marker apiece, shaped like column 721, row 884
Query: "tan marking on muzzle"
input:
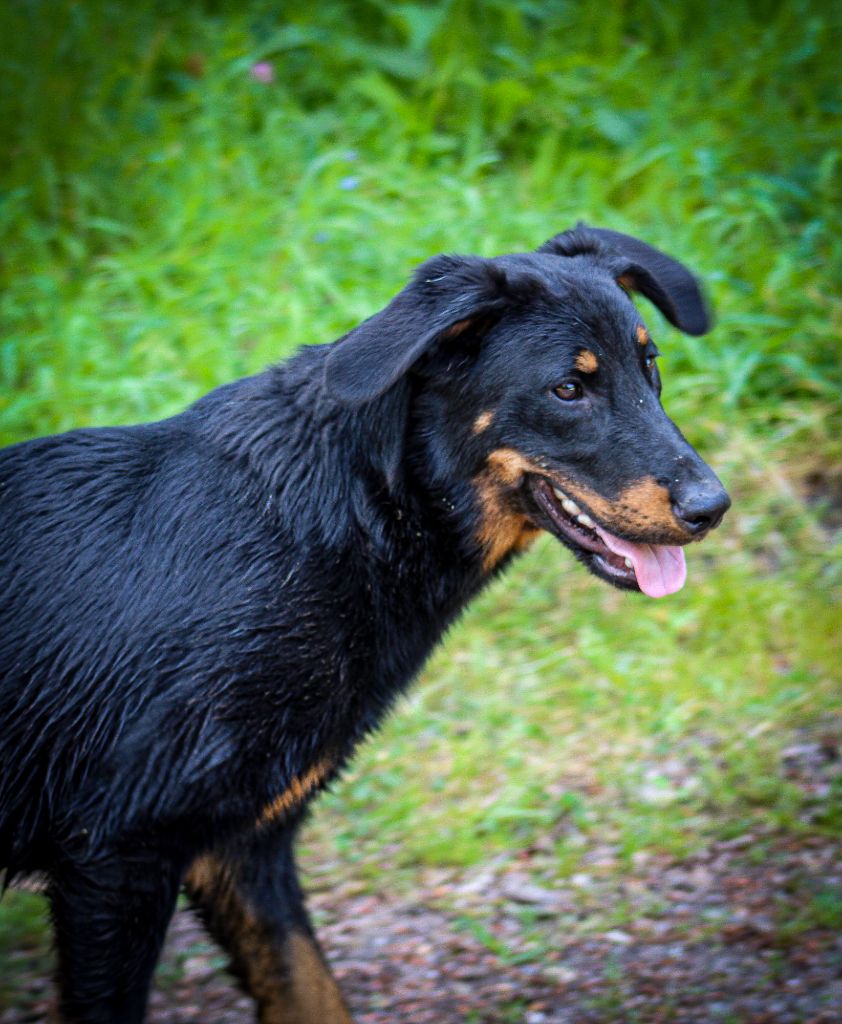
column 586, row 361
column 483, row 421
column 642, row 335
column 503, row 529
column 644, row 507
column 295, row 794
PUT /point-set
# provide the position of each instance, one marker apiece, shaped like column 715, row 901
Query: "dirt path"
column 725, row 936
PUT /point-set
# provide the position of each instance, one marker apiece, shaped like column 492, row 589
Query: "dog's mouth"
column 654, row 569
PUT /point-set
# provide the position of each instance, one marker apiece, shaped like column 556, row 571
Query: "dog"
column 202, row 617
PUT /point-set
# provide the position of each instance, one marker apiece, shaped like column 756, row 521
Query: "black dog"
column 201, row 617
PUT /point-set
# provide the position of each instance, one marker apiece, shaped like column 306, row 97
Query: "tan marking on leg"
column 304, row 993
column 203, row 874
column 292, row 984
column 503, row 529
column 288, row 978
column 312, row 996
column 642, row 335
column 586, row 361
column 255, row 960
column 483, row 421
column 298, row 790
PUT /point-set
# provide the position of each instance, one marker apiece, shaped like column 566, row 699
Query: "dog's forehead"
column 579, row 301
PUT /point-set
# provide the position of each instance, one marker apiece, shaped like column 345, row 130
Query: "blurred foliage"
column 164, row 198
column 190, row 191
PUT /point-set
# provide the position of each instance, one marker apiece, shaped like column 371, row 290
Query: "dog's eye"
column 651, row 365
column 568, row 391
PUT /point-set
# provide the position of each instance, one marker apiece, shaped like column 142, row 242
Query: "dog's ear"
column 446, row 296
column 641, row 268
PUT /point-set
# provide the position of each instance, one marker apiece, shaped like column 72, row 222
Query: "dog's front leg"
column 252, row 904
column 111, row 908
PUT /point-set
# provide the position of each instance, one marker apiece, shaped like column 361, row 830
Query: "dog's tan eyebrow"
column 483, row 421
column 586, row 361
column 456, row 329
column 642, row 335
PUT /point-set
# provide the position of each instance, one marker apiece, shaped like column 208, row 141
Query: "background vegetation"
column 191, row 191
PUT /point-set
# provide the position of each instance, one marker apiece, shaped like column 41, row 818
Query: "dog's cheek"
column 502, row 529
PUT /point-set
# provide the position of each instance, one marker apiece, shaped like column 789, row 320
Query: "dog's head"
column 535, row 388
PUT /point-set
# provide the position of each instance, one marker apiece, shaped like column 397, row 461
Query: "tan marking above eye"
column 642, row 335
column 483, row 421
column 456, row 329
column 296, row 792
column 586, row 361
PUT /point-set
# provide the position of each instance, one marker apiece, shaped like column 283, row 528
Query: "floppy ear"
column 641, row 268
column 445, row 297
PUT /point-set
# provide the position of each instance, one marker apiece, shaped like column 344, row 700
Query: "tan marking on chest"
column 483, row 421
column 503, row 528
column 642, row 335
column 586, row 361
column 295, row 794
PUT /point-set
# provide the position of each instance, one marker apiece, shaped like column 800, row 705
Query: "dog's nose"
column 701, row 510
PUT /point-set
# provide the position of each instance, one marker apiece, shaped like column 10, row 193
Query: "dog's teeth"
column 629, row 563
column 586, row 521
column 569, row 506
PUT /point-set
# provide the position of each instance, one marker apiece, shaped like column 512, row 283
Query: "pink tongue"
column 660, row 569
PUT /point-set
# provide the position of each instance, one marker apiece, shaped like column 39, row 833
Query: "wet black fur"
column 194, row 612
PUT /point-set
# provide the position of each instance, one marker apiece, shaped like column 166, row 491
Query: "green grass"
column 24, row 944
column 168, row 223
column 162, row 232
column 556, row 701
